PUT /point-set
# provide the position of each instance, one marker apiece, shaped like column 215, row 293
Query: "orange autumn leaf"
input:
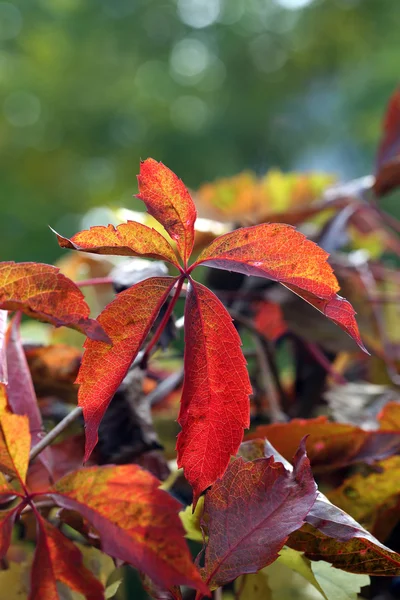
column 127, row 321
column 136, row 520
column 329, row 445
column 281, row 253
column 43, row 293
column 127, row 239
column 215, row 397
column 168, row 200
column 389, row 417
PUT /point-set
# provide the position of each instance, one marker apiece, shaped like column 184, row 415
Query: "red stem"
column 324, row 362
column 164, row 320
column 94, row 281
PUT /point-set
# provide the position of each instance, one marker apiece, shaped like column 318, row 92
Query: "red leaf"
column 58, row 559
column 20, row 392
column 137, row 522
column 215, row 398
column 269, row 320
column 127, row 321
column 388, row 159
column 330, row 446
column 281, row 253
column 43, row 293
column 250, row 513
column 168, row 200
column 128, row 239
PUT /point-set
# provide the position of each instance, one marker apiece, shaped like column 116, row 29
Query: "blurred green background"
column 210, row 87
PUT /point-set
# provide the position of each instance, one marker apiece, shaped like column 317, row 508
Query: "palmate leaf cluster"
column 254, row 502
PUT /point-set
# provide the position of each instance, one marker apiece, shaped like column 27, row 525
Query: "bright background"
column 210, row 87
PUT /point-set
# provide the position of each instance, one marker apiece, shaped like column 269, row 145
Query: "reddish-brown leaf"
column 388, row 160
column 57, row 559
column 281, row 253
column 330, row 445
column 137, row 522
column 43, row 293
column 168, row 201
column 127, row 321
column 128, row 239
column 215, row 398
column 250, row 513
column 20, row 392
column 360, row 553
column 331, row 534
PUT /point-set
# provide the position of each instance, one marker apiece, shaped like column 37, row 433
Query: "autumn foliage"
column 253, row 495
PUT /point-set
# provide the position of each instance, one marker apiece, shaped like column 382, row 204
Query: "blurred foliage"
column 210, row 87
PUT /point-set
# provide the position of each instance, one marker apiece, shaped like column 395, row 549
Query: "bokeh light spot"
column 22, row 109
column 189, row 113
column 10, row 21
column 199, row 13
column 189, row 58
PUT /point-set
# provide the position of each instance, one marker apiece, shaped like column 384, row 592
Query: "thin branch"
column 55, row 432
column 248, row 324
column 276, row 413
column 320, row 357
column 168, row 385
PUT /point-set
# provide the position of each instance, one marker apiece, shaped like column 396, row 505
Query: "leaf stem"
column 163, row 323
column 94, row 281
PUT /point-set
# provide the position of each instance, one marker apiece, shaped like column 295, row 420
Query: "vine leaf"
column 251, row 511
column 42, row 292
column 127, row 321
column 215, row 399
column 330, row 446
column 168, row 200
column 127, row 239
column 20, row 391
column 388, row 159
column 137, row 522
column 57, row 559
column 281, row 253
column 331, row 534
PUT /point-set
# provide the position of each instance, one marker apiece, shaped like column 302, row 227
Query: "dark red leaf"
column 20, row 392
column 42, row 292
column 127, row 321
column 58, row 559
column 331, row 534
column 168, row 201
column 215, row 399
column 250, row 513
column 281, row 253
column 388, row 159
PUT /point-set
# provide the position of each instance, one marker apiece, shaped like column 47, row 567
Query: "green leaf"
column 191, row 521
column 338, row 584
